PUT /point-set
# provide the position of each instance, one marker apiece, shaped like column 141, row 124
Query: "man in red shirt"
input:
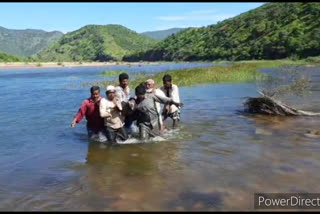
column 90, row 109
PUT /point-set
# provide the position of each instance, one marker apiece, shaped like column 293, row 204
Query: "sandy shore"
column 66, row 64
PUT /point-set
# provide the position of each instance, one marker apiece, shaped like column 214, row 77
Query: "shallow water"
column 216, row 160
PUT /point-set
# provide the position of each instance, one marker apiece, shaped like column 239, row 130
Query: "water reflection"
column 135, row 175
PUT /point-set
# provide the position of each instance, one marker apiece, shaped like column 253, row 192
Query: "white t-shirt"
column 112, row 116
column 174, row 95
column 122, row 94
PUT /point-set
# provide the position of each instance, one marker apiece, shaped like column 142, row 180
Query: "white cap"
column 150, row 81
column 110, row 88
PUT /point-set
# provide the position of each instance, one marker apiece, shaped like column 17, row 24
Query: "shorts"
column 175, row 115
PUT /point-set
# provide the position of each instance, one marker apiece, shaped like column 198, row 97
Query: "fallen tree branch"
column 269, row 106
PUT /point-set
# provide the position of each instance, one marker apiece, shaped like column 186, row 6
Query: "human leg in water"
column 174, row 123
column 122, row 134
column 175, row 119
column 127, row 111
column 111, row 135
column 145, row 132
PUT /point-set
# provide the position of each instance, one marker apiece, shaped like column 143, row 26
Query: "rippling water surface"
column 216, row 160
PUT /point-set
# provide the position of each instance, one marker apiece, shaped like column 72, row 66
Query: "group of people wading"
column 116, row 114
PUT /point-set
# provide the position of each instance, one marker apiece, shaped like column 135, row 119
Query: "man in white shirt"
column 110, row 109
column 171, row 91
column 122, row 92
column 151, row 89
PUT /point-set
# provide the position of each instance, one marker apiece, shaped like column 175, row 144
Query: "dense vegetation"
column 272, row 31
column 25, row 42
column 9, row 58
column 96, row 43
column 162, row 34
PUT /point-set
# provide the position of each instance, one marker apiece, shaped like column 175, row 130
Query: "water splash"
column 100, row 137
column 168, row 135
column 135, row 140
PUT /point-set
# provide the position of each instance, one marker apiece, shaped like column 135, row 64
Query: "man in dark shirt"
column 146, row 114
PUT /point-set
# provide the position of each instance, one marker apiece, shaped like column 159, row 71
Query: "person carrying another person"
column 146, row 114
column 90, row 109
column 171, row 91
column 111, row 110
column 122, row 92
column 151, row 89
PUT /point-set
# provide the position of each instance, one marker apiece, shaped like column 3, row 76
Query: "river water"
column 216, row 160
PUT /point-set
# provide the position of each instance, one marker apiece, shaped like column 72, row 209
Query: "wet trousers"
column 113, row 134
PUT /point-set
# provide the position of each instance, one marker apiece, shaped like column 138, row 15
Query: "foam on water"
column 133, row 138
column 100, row 137
column 167, row 135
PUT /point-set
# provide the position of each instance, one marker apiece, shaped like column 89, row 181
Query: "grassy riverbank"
column 242, row 71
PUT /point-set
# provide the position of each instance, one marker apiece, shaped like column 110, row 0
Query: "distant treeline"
column 9, row 58
column 95, row 43
column 272, row 31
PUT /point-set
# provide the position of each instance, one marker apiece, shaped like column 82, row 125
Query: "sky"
column 140, row 17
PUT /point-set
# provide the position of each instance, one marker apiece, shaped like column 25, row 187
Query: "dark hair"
column 166, row 78
column 94, row 88
column 143, row 84
column 123, row 76
column 140, row 89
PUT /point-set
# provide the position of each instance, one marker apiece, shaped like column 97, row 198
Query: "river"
column 216, row 160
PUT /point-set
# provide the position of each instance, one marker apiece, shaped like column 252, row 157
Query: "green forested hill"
column 162, row 34
column 272, row 31
column 9, row 58
column 25, row 42
column 96, row 43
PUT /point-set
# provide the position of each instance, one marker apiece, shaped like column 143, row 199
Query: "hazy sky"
column 139, row 17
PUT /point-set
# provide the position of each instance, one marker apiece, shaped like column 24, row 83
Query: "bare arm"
column 81, row 113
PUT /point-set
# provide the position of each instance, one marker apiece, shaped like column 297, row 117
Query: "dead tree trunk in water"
column 269, row 106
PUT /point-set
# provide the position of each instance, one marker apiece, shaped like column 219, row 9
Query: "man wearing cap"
column 90, row 109
column 110, row 110
column 150, row 89
column 146, row 114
